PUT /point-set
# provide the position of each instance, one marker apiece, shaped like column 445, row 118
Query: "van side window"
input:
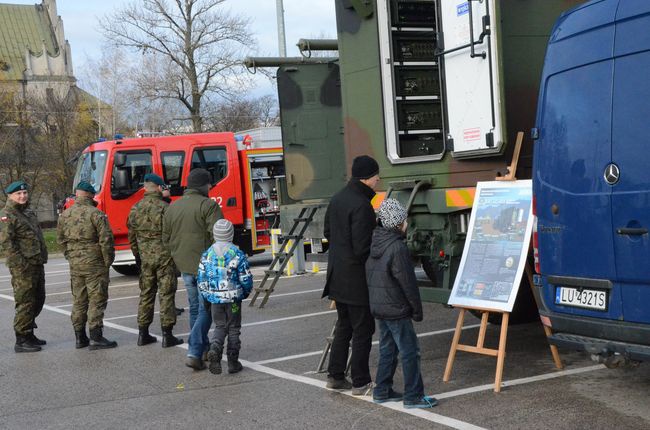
column 129, row 168
column 172, row 168
column 214, row 160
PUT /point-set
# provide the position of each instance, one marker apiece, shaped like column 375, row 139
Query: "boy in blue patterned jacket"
column 224, row 280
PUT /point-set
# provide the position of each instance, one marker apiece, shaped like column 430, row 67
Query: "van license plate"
column 590, row 299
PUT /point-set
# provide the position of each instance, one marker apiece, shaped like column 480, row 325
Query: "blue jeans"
column 398, row 337
column 193, row 296
column 198, row 342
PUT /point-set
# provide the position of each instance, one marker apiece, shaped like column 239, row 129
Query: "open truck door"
column 312, row 130
column 472, row 84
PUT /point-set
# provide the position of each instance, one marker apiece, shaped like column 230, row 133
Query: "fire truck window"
column 129, row 178
column 213, row 160
column 90, row 168
column 172, row 165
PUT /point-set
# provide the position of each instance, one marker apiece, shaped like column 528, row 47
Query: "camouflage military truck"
column 436, row 91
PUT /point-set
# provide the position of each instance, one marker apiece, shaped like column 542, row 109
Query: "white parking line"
column 130, row 284
column 520, row 381
column 396, row 406
column 117, row 299
column 294, row 317
column 376, row 342
column 46, row 273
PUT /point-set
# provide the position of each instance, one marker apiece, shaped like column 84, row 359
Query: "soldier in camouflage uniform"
column 157, row 270
column 87, row 242
column 22, row 243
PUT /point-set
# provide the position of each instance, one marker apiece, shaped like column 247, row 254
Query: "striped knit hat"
column 223, row 231
column 391, row 213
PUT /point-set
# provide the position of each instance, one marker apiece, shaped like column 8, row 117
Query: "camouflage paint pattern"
column 22, row 243
column 436, row 232
column 157, row 270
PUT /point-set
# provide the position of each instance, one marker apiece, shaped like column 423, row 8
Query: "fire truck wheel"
column 127, row 270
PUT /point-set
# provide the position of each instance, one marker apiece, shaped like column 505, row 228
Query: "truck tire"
column 431, row 270
column 127, row 269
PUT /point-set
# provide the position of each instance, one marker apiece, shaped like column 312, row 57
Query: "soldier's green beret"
column 85, row 186
column 16, row 186
column 152, row 177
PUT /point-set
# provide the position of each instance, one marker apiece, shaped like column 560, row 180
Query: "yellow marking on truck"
column 379, row 197
column 460, row 197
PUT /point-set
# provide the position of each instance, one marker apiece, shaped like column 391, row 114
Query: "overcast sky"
column 304, row 18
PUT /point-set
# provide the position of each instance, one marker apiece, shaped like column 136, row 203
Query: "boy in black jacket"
column 394, row 301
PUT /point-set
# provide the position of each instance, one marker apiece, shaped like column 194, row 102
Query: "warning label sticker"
column 472, row 134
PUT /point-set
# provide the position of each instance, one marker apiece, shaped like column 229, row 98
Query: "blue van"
column 591, row 181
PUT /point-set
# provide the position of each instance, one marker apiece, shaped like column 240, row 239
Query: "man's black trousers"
column 357, row 324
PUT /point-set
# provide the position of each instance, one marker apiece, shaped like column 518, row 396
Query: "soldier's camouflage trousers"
column 90, row 294
column 29, row 294
column 160, row 278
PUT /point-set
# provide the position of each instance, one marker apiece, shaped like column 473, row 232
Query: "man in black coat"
column 349, row 222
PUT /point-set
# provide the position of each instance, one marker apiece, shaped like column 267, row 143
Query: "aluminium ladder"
column 281, row 258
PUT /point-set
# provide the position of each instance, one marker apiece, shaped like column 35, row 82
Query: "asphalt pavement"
column 150, row 387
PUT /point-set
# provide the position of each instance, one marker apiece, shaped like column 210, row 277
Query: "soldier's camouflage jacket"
column 145, row 224
column 21, row 238
column 85, row 236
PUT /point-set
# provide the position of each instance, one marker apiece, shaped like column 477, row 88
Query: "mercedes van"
column 591, row 181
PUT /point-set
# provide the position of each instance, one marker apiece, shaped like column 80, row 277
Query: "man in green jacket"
column 21, row 241
column 187, row 232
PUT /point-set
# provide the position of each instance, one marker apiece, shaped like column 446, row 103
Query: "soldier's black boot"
column 234, row 365
column 98, row 341
column 214, row 358
column 169, row 339
column 24, row 344
column 32, row 337
column 145, row 338
column 82, row 339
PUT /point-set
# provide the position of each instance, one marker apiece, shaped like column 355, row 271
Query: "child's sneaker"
column 363, row 390
column 424, row 403
column 393, row 396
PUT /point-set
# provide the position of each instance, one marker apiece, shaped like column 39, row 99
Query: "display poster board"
column 494, row 256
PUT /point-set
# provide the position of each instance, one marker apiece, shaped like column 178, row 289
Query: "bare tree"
column 200, row 39
column 65, row 126
column 243, row 114
column 20, row 149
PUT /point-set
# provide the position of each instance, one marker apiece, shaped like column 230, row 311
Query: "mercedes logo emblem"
column 612, row 174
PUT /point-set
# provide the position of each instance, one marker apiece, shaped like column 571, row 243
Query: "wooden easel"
column 499, row 353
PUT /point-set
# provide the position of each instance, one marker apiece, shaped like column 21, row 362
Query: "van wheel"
column 127, row 270
column 524, row 311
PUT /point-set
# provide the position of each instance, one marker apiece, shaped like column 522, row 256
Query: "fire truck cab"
column 246, row 174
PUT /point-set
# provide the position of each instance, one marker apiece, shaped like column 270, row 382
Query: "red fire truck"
column 246, row 177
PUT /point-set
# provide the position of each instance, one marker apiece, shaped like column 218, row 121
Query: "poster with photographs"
column 495, row 250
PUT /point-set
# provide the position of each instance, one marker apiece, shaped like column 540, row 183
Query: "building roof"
column 23, row 27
